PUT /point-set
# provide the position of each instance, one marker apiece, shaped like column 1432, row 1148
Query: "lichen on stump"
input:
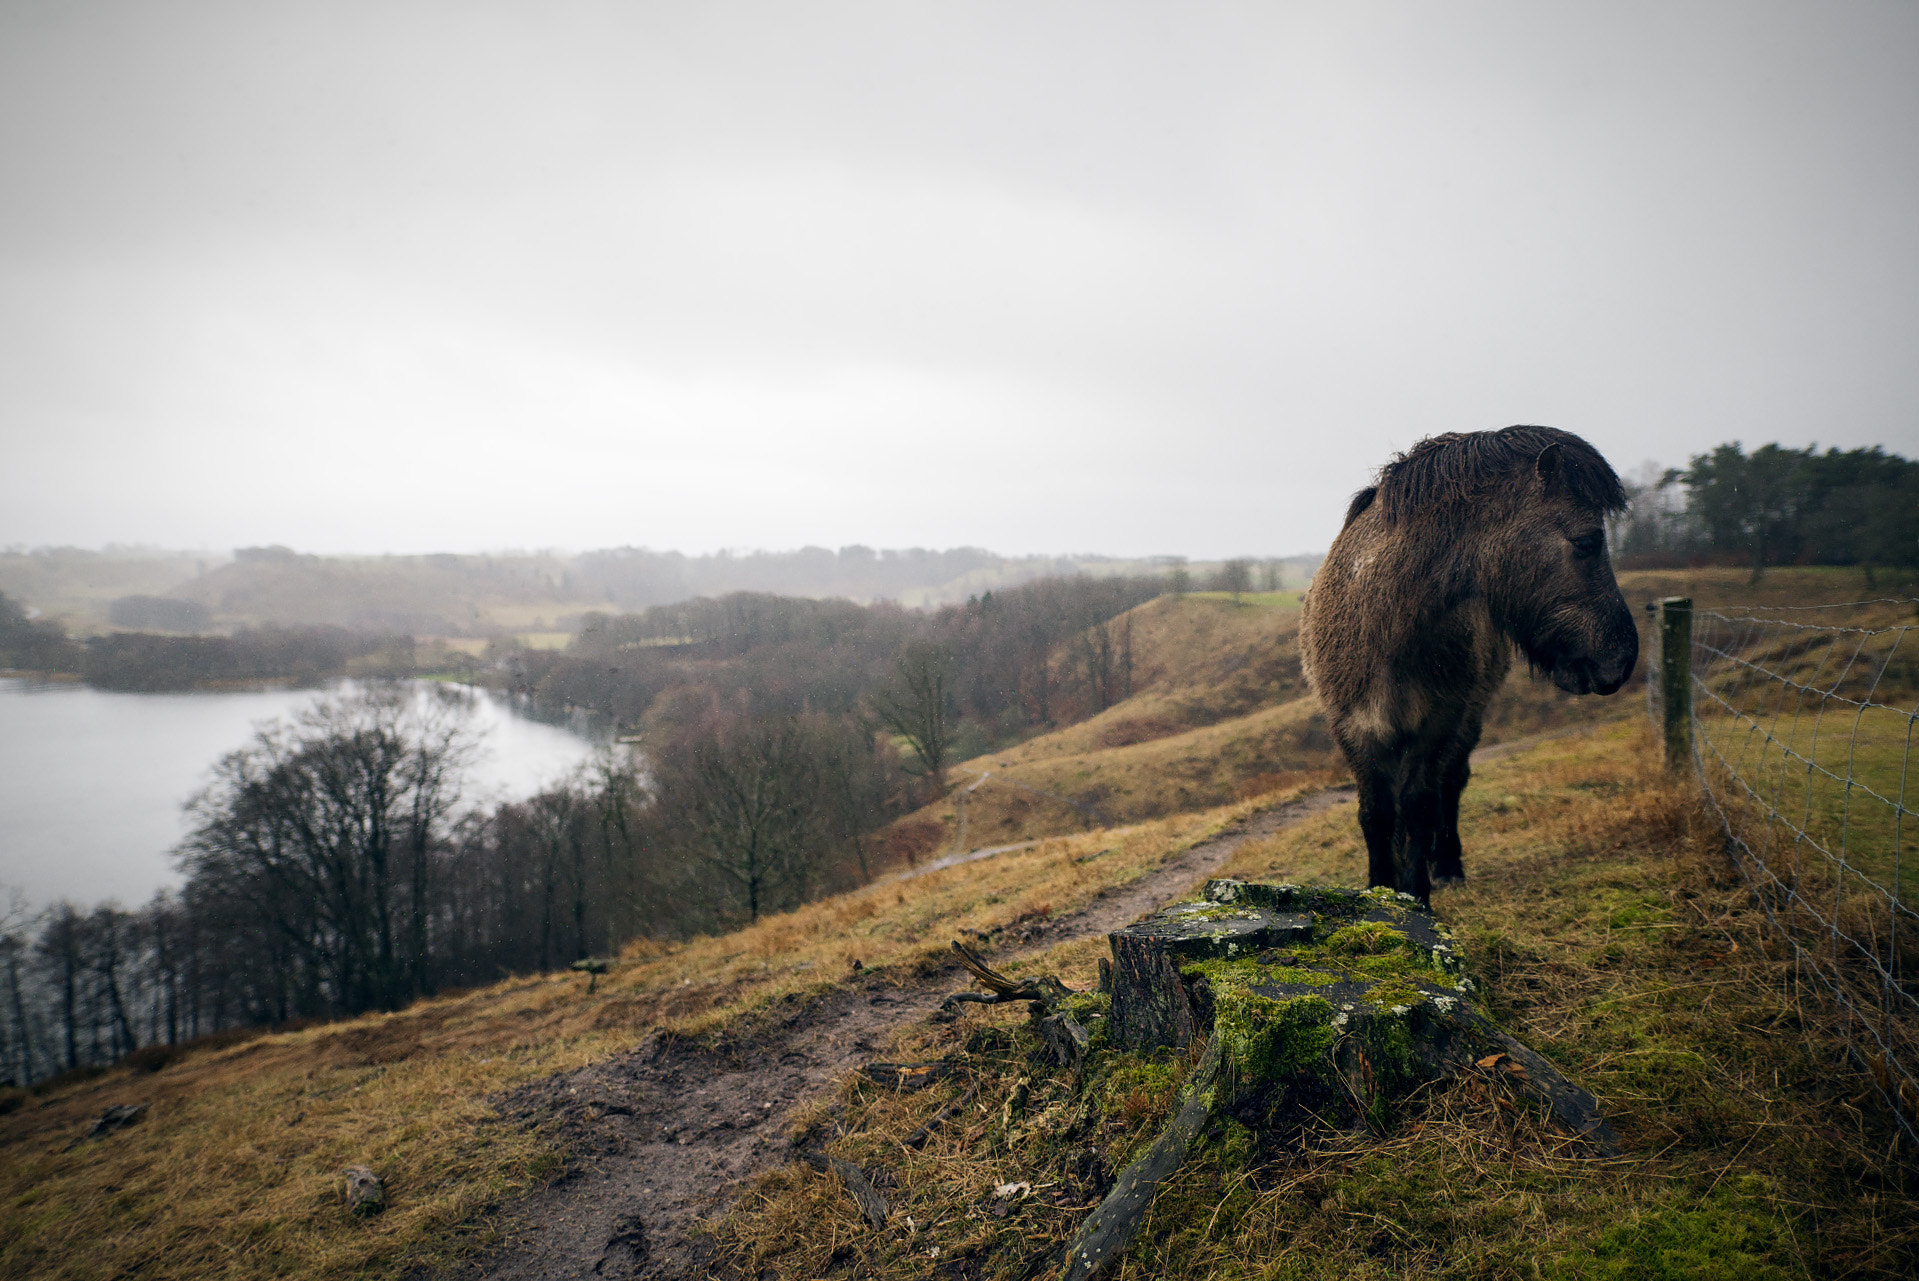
column 1316, row 1004
column 1148, row 958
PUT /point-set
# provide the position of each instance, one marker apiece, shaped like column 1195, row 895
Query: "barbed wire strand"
column 1850, row 604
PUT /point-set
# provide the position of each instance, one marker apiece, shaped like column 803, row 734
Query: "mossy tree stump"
column 1316, row 1005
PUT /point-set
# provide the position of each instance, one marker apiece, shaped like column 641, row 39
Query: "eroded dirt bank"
column 663, row 1135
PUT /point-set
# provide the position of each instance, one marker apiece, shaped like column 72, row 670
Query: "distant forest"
column 1775, row 506
column 154, row 662
column 506, row 594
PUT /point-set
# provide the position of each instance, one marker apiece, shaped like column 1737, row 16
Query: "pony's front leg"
column 1376, row 822
column 1448, row 856
column 1416, row 803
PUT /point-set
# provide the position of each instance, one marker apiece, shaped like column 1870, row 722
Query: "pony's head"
column 1527, row 506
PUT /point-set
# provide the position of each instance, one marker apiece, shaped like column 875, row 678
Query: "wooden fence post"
column 1675, row 680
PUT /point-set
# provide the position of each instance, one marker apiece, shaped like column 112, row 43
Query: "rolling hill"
column 1601, row 923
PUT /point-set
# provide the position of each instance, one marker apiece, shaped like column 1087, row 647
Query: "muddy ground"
column 662, row 1136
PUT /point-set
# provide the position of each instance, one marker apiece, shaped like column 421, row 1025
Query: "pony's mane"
column 1458, row 466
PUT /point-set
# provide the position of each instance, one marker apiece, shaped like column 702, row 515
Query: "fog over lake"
column 92, row 782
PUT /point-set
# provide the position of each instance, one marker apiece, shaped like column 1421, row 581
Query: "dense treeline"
column 1033, row 655
column 153, row 661
column 1776, row 506
column 301, row 655
column 499, row 594
column 35, row 645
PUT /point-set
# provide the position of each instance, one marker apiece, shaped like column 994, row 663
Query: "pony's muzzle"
column 1601, row 673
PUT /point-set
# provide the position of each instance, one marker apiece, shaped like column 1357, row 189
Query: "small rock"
column 117, row 1117
column 365, row 1194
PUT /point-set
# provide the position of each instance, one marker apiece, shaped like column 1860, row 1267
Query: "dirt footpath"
column 664, row 1134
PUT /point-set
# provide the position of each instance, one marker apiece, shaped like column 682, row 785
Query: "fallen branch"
column 871, row 1201
column 1046, row 990
column 906, row 1077
column 1067, row 1038
column 117, row 1117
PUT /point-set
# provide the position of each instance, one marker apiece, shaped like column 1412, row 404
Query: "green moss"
column 1213, row 912
column 1088, row 1005
column 1126, row 1075
column 1396, row 1063
column 1263, row 1037
column 1268, row 1040
column 1367, row 938
column 1391, row 994
column 1246, row 972
column 1090, row 1011
column 1233, row 1150
column 1733, row 1236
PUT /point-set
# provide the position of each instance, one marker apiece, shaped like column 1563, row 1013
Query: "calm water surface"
column 92, row 782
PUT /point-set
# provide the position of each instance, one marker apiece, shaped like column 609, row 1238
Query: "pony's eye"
column 1586, row 546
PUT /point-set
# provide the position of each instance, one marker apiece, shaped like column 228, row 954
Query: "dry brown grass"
column 1032, row 790
column 235, row 1170
column 1798, row 585
column 1220, row 704
column 1605, row 927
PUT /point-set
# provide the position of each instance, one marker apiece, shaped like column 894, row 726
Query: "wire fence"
column 1802, row 723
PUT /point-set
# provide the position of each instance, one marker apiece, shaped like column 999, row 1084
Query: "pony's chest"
column 1441, row 674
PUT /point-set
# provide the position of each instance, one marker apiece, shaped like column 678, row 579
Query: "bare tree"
column 1105, row 653
column 13, row 923
column 58, row 950
column 1234, row 576
column 744, row 795
column 319, row 833
column 556, row 818
column 856, row 784
column 916, row 706
column 104, row 938
column 634, row 896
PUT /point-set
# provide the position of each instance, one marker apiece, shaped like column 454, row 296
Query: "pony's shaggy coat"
column 1468, row 544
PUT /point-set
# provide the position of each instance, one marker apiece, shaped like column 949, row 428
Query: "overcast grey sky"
column 1039, row 277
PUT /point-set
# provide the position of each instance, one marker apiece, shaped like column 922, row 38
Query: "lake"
column 92, row 782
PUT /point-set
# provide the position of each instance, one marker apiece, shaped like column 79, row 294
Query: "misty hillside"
column 486, row 595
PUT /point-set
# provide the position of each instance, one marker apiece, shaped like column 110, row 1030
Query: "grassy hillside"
column 1604, row 927
column 1219, row 711
column 234, row 1171
column 76, row 586
column 1602, row 922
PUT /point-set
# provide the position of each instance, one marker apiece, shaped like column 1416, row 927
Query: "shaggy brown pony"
column 1469, row 544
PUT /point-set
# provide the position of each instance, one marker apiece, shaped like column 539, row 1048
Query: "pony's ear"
column 1548, row 465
